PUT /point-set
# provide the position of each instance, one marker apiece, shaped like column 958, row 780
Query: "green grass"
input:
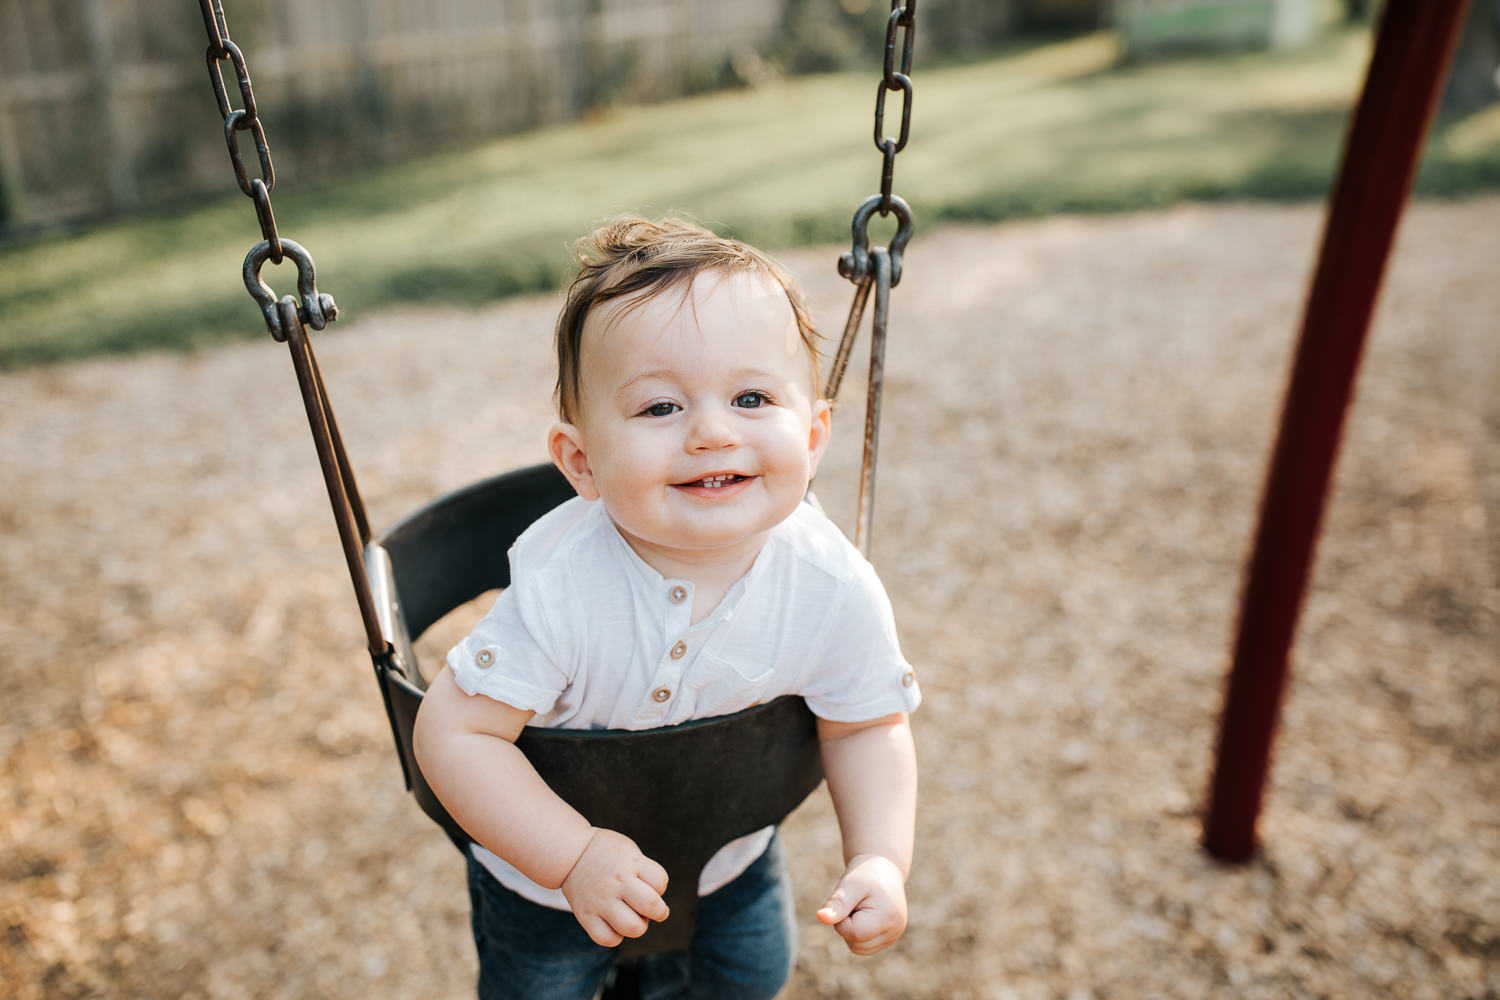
column 1059, row 127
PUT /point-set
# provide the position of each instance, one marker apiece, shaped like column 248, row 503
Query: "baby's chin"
column 707, row 543
column 705, row 546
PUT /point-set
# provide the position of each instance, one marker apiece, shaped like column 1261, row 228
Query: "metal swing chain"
column 245, row 119
column 287, row 319
column 878, row 268
column 315, row 310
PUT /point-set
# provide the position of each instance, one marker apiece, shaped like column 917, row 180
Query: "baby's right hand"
column 614, row 889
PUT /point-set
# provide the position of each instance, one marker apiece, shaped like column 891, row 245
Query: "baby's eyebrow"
column 757, row 375
column 626, row 387
column 749, row 377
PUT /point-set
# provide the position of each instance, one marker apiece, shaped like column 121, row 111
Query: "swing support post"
column 1413, row 47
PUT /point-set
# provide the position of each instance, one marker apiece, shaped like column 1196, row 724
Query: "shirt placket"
column 666, row 679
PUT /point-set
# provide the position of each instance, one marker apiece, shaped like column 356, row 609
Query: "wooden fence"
column 105, row 105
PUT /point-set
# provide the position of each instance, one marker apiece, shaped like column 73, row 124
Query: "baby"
column 687, row 579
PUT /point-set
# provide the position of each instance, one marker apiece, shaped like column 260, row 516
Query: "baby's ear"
column 821, row 430
column 565, row 445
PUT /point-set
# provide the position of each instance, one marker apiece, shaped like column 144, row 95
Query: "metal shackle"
column 855, row 264
column 316, row 310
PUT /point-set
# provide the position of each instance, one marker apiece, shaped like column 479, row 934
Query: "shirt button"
column 678, row 594
column 679, row 651
column 484, row 658
column 909, row 678
column 661, row 694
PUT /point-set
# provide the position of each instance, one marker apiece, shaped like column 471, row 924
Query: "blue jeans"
column 744, row 944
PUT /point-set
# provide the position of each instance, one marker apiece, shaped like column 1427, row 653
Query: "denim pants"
column 744, row 944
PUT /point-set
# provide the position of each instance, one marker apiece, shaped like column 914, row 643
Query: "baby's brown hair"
column 633, row 255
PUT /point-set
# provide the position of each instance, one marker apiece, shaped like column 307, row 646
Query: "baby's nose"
column 710, row 429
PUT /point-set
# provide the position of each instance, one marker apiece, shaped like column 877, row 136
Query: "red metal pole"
column 1412, row 49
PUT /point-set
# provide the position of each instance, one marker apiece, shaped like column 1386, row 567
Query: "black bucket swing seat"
column 680, row 792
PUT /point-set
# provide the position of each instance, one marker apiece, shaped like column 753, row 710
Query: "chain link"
column 213, row 23
column 315, row 309
column 231, row 52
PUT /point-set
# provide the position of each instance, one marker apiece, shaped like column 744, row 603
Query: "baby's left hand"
column 868, row 906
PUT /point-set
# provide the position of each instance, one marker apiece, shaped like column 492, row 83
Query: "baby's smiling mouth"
column 714, row 482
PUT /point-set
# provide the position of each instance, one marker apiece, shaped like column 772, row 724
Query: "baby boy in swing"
column 687, row 579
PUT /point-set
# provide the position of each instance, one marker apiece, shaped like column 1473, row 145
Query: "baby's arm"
column 466, row 747
column 872, row 777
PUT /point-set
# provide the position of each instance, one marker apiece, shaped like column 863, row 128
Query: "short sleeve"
column 512, row 655
column 861, row 673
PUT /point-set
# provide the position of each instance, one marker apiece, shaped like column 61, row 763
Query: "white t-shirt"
column 588, row 636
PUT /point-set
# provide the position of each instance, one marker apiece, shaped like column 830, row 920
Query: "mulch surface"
column 201, row 798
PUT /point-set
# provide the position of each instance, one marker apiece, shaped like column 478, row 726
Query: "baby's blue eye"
column 751, row 400
column 661, row 409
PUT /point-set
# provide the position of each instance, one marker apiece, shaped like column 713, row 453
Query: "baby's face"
column 698, row 423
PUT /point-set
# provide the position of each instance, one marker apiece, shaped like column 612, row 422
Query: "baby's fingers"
column 867, row 931
column 646, row 900
column 836, row 909
column 653, row 875
column 599, row 931
column 625, row 917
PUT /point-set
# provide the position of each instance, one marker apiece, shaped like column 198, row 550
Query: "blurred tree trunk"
column 1471, row 84
column 1064, row 14
column 968, row 25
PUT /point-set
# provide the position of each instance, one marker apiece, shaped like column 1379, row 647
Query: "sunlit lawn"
column 1058, row 127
